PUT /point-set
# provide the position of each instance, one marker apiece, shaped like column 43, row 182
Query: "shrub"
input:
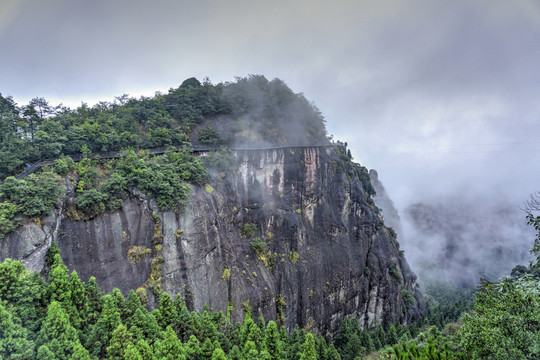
column 293, row 256
column 7, row 213
column 136, row 253
column 221, row 160
column 249, row 230
column 226, row 274
column 407, row 298
column 394, row 272
column 258, row 246
column 208, row 135
column 64, row 165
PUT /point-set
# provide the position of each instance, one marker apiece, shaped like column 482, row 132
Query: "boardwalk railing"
column 158, row 151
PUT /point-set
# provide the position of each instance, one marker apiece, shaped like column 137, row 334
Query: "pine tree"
column 235, row 353
column 193, row 348
column 94, row 295
column 309, row 351
column 250, row 351
column 44, row 353
column 79, row 301
column 218, row 354
column 101, row 333
column 344, row 334
column 132, row 304
column 13, row 338
column 391, row 337
column 272, row 342
column 207, row 349
column 331, row 353
column 170, row 348
column 353, row 348
column 120, row 340
column 59, row 286
column 167, row 311
column 57, row 332
column 120, row 302
column 145, row 350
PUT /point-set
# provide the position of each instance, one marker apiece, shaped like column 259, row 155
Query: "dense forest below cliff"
column 65, row 318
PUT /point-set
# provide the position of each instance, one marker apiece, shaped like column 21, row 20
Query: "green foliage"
column 259, row 246
column 209, row 136
column 505, row 323
column 249, row 230
column 220, row 160
column 64, row 165
column 394, row 271
column 7, row 215
column 407, row 298
column 34, row 196
column 293, row 256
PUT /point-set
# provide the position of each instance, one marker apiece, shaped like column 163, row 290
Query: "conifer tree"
column 79, row 301
column 192, row 348
column 207, row 349
column 170, row 348
column 144, row 350
column 94, row 295
column 108, row 321
column 272, row 343
column 132, row 304
column 120, row 340
column 331, row 353
column 353, row 348
column 218, row 354
column 57, row 332
column 309, row 352
column 167, row 311
column 44, row 353
column 235, row 353
column 391, row 337
column 250, row 351
column 13, row 338
column 120, row 302
column 59, row 286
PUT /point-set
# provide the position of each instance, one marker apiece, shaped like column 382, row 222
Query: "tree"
column 57, row 333
column 13, row 338
column 505, row 323
column 272, row 343
column 170, row 348
column 59, row 286
column 120, row 341
column 106, row 324
column 79, row 301
column 309, row 352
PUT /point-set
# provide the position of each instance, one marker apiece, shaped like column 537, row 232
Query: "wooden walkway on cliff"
column 161, row 150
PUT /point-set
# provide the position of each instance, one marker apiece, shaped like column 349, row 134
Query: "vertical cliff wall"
column 287, row 230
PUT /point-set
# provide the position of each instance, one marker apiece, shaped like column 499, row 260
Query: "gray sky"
column 441, row 97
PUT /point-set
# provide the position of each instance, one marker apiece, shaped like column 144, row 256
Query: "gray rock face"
column 285, row 231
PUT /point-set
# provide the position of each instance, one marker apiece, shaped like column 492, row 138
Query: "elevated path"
column 161, row 150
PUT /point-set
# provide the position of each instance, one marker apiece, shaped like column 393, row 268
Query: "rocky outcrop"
column 286, row 233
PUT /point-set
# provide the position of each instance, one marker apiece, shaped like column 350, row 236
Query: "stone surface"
column 330, row 255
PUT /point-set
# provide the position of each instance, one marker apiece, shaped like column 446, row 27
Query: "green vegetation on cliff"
column 251, row 109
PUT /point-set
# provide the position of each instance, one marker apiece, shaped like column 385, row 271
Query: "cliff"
column 286, row 232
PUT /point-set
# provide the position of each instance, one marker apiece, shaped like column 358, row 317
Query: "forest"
column 63, row 317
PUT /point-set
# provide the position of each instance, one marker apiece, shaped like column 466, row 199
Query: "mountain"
column 280, row 221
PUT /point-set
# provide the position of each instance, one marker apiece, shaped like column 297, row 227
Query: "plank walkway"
column 158, row 151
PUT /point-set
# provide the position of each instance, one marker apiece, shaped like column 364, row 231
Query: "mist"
column 460, row 239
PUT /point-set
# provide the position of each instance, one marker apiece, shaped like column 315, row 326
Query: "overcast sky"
column 441, row 97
